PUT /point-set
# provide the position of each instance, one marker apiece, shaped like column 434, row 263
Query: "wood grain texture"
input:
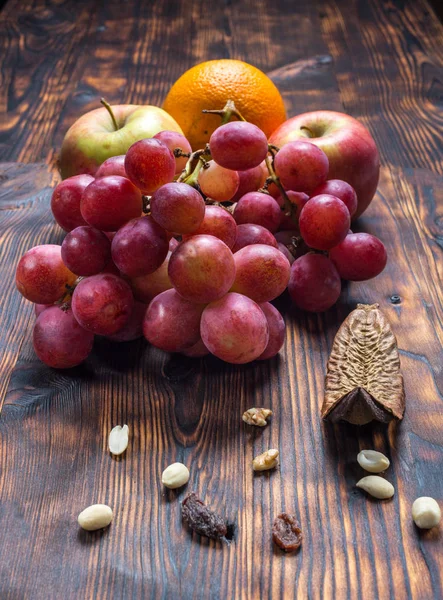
column 58, row 58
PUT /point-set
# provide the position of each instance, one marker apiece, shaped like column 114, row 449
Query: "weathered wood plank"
column 58, row 59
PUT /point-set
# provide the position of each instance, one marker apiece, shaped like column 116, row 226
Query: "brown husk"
column 363, row 379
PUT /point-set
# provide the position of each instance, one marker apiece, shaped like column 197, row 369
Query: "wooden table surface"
column 382, row 63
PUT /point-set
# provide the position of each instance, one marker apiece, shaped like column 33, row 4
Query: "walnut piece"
column 257, row 416
column 363, row 379
column 265, row 461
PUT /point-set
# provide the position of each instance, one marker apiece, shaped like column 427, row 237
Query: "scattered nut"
column 267, row 460
column 95, row 517
column 257, row 416
column 373, row 461
column 376, row 486
column 118, row 439
column 426, row 512
column 175, row 475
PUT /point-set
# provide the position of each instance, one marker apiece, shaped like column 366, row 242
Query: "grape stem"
column 288, row 208
column 109, row 109
column 188, row 170
column 230, row 110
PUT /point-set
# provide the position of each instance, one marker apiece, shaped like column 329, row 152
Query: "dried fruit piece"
column 266, row 460
column 286, row 532
column 376, row 486
column 201, row 519
column 373, row 461
column 95, row 517
column 118, row 439
column 363, row 379
column 257, row 416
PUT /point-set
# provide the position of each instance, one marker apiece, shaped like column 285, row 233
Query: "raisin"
column 286, row 532
column 202, row 520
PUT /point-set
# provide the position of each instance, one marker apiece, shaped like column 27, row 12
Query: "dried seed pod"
column 266, row 460
column 373, row 461
column 376, row 486
column 286, row 532
column 257, row 416
column 363, row 379
column 118, row 439
column 202, row 520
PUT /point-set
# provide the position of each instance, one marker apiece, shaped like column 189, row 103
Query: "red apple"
column 349, row 146
column 93, row 138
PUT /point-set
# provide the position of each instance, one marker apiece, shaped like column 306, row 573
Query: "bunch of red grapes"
column 152, row 250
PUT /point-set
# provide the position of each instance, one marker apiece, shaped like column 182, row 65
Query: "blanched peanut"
column 426, row 512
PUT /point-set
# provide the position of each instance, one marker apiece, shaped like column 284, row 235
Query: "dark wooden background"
column 382, row 63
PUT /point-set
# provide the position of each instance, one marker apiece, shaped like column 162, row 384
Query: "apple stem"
column 288, row 208
column 109, row 109
column 311, row 134
column 227, row 112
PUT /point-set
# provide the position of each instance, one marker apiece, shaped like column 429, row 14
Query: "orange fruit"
column 209, row 85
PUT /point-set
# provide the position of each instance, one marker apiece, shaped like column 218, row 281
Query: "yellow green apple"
column 105, row 132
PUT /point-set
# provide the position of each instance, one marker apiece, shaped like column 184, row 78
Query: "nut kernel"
column 377, row 487
column 372, row 461
column 96, row 516
column 257, row 416
column 266, row 460
column 118, row 439
column 175, row 475
column 426, row 512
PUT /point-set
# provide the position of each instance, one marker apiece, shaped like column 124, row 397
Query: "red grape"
column 262, row 272
column 39, row 308
column 314, row 284
column 234, row 329
column 172, row 323
column 59, row 341
column 219, row 223
column 110, row 202
column 197, row 350
column 249, row 233
column 178, row 207
column 139, row 247
column 297, row 200
column 340, row 189
column 112, row 166
column 173, row 140
column 301, row 166
column 150, row 164
column 147, row 287
column 284, row 250
column 218, row 183
column 86, row 250
column 133, row 329
column 359, row 256
column 42, row 276
column 238, row 146
column 102, row 303
column 65, row 201
column 324, row 222
column 202, row 269
column 277, row 331
column 260, row 209
column 249, row 181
